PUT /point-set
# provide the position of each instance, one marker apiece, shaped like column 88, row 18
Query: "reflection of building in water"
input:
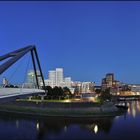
column 17, row 123
column 65, row 128
column 138, row 105
column 56, row 126
column 128, row 104
column 134, row 109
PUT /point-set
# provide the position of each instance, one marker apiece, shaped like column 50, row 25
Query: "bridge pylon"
column 14, row 56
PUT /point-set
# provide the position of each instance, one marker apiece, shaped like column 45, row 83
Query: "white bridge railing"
column 9, row 92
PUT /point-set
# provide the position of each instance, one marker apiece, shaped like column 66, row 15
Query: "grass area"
column 37, row 100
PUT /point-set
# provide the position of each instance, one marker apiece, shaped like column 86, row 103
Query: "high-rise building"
column 5, row 82
column 77, row 86
column 83, row 87
column 110, row 82
column 67, row 82
column 52, row 78
column 56, row 78
column 104, row 84
column 87, row 87
column 31, row 76
column 31, row 79
column 109, row 79
column 59, row 76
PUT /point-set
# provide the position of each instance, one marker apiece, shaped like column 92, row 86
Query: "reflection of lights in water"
column 128, row 110
column 96, row 129
column 93, row 127
column 117, row 117
column 37, row 126
column 65, row 128
column 133, row 109
column 138, row 106
column 134, row 112
column 17, row 124
column 128, row 104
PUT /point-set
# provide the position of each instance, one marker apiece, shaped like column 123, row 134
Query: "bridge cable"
column 18, row 66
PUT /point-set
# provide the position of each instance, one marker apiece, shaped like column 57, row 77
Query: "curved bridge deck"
column 7, row 93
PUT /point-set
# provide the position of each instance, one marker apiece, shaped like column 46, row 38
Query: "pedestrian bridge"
column 17, row 92
column 9, row 59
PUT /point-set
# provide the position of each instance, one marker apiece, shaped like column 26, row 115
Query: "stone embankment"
column 66, row 110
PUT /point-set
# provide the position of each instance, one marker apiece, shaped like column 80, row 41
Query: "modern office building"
column 107, row 82
column 87, row 87
column 31, row 76
column 31, row 79
column 56, row 78
column 83, row 87
column 59, row 77
column 109, row 79
column 104, row 84
column 67, row 82
column 52, row 78
column 135, row 89
column 110, row 82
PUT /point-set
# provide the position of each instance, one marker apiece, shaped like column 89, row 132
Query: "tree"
column 60, row 93
column 105, row 95
column 57, row 92
column 67, row 92
column 49, row 92
column 98, row 91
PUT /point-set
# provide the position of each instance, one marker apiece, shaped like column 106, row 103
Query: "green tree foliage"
column 98, row 91
column 57, row 92
column 105, row 95
column 49, row 92
column 67, row 92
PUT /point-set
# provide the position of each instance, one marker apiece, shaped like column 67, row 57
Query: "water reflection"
column 133, row 107
column 17, row 123
column 93, row 128
column 55, row 126
column 96, row 129
column 37, row 126
column 63, row 128
column 138, row 105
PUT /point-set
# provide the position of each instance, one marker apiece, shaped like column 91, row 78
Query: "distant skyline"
column 86, row 39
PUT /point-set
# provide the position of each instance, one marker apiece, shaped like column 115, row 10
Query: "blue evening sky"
column 87, row 39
